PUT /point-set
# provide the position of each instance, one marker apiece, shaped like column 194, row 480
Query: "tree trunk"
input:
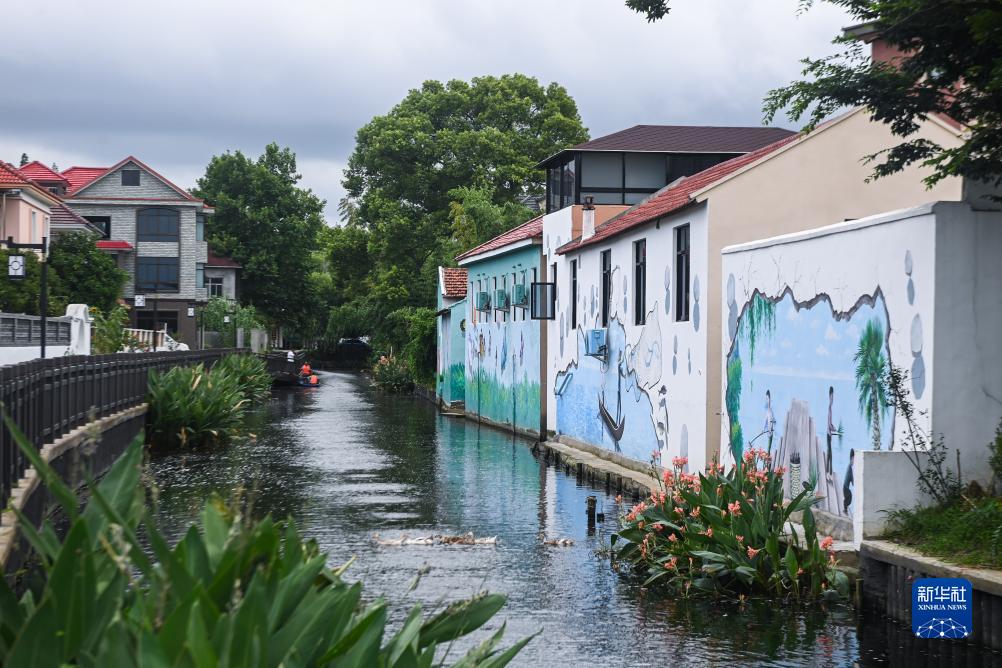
column 876, row 420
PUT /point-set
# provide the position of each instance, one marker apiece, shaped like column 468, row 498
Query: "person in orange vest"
column 306, row 369
column 314, row 380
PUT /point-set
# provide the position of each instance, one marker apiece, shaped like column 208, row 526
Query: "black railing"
column 48, row 398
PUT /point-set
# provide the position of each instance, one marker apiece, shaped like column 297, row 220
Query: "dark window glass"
column 552, row 189
column 606, row 286
column 156, row 274
column 640, row 281
column 567, row 184
column 157, row 225
column 682, row 272
column 601, row 170
column 544, row 301
column 103, row 223
column 130, row 177
column 199, row 227
column 200, row 275
column 574, row 294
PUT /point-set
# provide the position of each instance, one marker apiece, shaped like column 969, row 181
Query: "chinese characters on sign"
column 941, row 608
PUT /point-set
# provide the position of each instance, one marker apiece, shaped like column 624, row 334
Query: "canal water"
column 348, row 463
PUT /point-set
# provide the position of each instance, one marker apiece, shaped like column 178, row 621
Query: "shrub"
column 193, row 406
column 251, row 373
column 967, row 533
column 392, row 375
column 232, row 592
column 108, row 333
column 721, row 533
column 995, row 457
column 245, row 317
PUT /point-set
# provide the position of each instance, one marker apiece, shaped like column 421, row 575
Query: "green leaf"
column 461, row 618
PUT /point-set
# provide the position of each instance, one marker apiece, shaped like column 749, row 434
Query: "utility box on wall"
column 596, row 344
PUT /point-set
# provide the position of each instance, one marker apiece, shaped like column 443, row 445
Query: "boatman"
column 306, row 370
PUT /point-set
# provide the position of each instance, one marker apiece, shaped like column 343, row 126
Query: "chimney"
column 588, row 218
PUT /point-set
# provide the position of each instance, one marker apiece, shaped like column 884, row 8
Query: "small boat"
column 313, row 380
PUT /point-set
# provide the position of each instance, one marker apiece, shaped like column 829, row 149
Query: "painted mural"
column 606, row 402
column 804, row 382
column 502, row 372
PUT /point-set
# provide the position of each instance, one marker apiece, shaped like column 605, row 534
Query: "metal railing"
column 48, row 398
column 26, row 330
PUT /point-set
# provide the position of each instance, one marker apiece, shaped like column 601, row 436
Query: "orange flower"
column 752, row 552
column 826, row 542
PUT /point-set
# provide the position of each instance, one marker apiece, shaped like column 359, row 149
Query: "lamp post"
column 16, row 271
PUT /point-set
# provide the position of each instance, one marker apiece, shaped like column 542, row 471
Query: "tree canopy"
column 268, row 224
column 87, row 274
column 952, row 66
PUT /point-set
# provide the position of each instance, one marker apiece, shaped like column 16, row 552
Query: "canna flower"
column 826, row 542
column 709, row 532
column 655, row 454
column 679, row 462
column 734, row 508
column 694, row 512
column 670, row 564
column 673, row 538
column 740, row 538
column 752, row 552
column 668, row 478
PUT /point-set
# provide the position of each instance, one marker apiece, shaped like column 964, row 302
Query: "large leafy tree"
column 951, row 65
column 487, row 133
column 269, row 224
column 87, row 274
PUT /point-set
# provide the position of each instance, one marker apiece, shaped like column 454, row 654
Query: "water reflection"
column 347, row 462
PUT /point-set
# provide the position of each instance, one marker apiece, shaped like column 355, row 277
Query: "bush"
column 412, row 333
column 963, row 532
column 721, row 533
column 245, row 317
column 193, row 406
column 232, row 592
column 251, row 374
column 108, row 333
column 392, row 375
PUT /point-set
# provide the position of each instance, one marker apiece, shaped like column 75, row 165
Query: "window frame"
column 101, row 222
column 574, row 293
column 159, row 236
column 640, row 282
column 683, row 272
column 158, row 285
column 213, row 282
column 130, row 172
column 540, row 288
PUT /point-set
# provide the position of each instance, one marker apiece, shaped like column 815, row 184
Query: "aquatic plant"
column 193, row 406
column 391, row 374
column 231, row 592
column 721, row 533
column 250, row 372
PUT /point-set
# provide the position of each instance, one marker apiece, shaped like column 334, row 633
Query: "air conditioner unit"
column 483, row 301
column 500, row 299
column 595, row 343
column 521, row 295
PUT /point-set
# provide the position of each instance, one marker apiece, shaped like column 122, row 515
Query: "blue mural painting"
column 805, row 383
column 603, row 402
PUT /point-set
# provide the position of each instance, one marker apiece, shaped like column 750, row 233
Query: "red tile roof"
column 80, row 176
column 672, row 197
column 112, row 244
column 213, row 260
column 39, row 172
column 527, row 230
column 11, row 175
column 455, row 282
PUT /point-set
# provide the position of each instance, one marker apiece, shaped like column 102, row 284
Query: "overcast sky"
column 174, row 83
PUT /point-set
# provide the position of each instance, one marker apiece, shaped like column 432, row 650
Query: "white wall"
column 662, row 363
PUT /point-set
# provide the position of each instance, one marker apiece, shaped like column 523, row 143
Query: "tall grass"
column 251, row 373
column 232, row 592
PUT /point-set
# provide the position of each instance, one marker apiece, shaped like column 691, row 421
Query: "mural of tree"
column 759, row 318
column 732, row 400
column 871, row 367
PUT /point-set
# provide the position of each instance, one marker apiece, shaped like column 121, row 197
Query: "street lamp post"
column 16, row 271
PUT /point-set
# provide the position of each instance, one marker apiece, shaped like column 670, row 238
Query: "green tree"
column 871, row 370
column 21, row 296
column 214, row 319
column 952, row 66
column 347, row 250
column 87, row 274
column 476, row 218
column 269, row 225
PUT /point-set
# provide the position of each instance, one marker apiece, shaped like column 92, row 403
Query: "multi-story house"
column 156, row 228
column 62, row 219
column 25, row 207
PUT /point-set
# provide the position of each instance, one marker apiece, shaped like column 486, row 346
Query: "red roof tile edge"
column 454, row 279
column 527, row 230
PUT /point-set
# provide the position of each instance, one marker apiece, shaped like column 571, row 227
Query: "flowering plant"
column 392, row 374
column 718, row 532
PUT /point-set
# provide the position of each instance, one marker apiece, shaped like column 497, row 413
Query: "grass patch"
column 958, row 532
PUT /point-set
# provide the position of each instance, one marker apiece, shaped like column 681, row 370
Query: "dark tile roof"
column 222, row 261
column 60, row 214
column 685, row 139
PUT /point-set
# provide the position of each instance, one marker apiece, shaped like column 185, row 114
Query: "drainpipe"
column 588, row 218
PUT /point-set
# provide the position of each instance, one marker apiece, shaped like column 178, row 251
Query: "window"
column 640, row 281
column 157, row 225
column 644, row 170
column 156, row 274
column 102, row 223
column 606, row 286
column 199, row 227
column 215, row 285
column 200, row 275
column 682, row 273
column 130, row 177
column 561, row 185
column 544, row 301
column 34, row 227
column 574, row 294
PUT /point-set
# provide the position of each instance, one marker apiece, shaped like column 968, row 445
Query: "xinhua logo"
column 941, row 608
